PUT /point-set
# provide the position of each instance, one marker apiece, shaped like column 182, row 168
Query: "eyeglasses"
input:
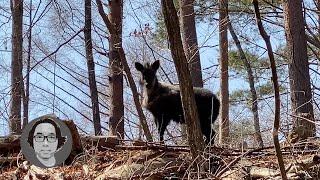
column 41, row 138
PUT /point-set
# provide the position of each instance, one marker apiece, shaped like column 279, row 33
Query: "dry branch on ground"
column 102, row 158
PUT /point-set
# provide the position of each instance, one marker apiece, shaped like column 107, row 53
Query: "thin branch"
column 126, row 67
column 65, row 102
column 55, row 51
column 276, row 124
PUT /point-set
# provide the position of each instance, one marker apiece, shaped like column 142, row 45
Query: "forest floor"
column 132, row 160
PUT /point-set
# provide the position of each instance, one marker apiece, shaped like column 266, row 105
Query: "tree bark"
column 254, row 97
column 318, row 13
column 190, row 46
column 126, row 67
column 300, row 88
column 276, row 124
column 116, row 123
column 224, row 76
column 91, row 69
column 16, row 66
column 26, row 89
column 187, row 96
column 190, row 41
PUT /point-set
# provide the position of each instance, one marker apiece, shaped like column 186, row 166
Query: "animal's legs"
column 207, row 131
column 162, row 125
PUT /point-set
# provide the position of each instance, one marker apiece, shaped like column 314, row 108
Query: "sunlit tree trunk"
column 91, row 69
column 195, row 139
column 190, row 40
column 16, row 66
column 318, row 13
column 224, row 76
column 26, row 88
column 190, row 46
column 112, row 27
column 116, row 76
column 300, row 88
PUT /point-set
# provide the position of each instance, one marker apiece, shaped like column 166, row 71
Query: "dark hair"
column 164, row 102
column 61, row 139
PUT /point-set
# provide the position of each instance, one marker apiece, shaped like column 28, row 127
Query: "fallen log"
column 76, row 142
column 153, row 147
column 9, row 144
column 100, row 142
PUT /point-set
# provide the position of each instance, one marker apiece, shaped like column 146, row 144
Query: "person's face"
column 45, row 142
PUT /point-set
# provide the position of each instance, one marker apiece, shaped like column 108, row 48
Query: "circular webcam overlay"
column 46, row 141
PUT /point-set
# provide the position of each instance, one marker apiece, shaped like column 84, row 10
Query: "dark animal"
column 164, row 102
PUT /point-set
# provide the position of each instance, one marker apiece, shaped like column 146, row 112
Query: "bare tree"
column 122, row 57
column 180, row 61
column 190, row 40
column 16, row 66
column 26, row 89
column 116, row 122
column 224, row 75
column 91, row 69
column 300, row 87
column 190, row 46
column 318, row 13
column 254, row 98
column 276, row 123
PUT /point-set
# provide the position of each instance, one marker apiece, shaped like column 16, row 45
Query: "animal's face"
column 148, row 73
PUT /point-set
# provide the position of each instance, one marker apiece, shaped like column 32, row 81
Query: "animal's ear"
column 139, row 66
column 156, row 65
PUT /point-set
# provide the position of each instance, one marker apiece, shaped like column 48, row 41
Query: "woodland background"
column 46, row 44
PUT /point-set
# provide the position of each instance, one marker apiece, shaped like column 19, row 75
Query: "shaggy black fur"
column 164, row 102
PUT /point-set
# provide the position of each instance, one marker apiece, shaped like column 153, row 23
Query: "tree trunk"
column 190, row 46
column 26, row 89
column 190, row 41
column 300, row 88
column 25, row 92
column 91, row 71
column 16, row 66
column 276, row 123
column 187, row 96
column 126, row 68
column 254, row 105
column 116, row 76
column 318, row 13
column 224, row 79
